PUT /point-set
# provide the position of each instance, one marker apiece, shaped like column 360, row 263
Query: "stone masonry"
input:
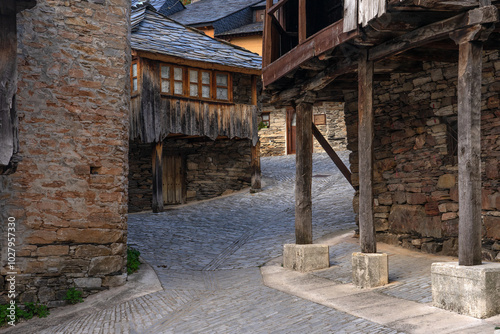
column 69, row 194
column 274, row 138
column 415, row 157
column 212, row 168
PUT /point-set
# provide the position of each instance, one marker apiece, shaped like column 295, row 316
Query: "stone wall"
column 415, row 159
column 212, row 168
column 69, row 194
column 274, row 139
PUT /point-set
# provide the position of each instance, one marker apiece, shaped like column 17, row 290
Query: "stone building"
column 193, row 117
column 277, row 133
column 68, row 195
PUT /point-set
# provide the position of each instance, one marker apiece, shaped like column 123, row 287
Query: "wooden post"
column 469, row 144
column 266, row 41
column 302, row 21
column 157, row 204
column 303, row 177
column 254, row 90
column 365, row 150
column 256, row 172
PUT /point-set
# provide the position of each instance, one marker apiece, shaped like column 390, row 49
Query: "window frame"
column 267, row 122
column 186, row 83
column 136, row 77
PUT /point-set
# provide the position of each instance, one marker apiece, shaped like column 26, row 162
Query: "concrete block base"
column 370, row 270
column 468, row 290
column 306, row 257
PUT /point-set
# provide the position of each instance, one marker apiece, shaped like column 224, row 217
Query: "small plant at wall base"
column 29, row 311
column 132, row 260
column 262, row 125
column 73, row 296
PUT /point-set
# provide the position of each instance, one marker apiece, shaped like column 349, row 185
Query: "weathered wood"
column 302, row 21
column 157, row 203
column 370, row 9
column 276, row 6
column 350, row 15
column 267, row 40
column 365, row 149
column 303, row 177
column 434, row 32
column 9, row 143
column 321, row 42
column 256, row 182
column 469, row 147
column 331, row 153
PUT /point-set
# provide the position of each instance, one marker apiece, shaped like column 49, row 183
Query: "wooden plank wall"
column 153, row 116
column 370, row 9
column 350, row 15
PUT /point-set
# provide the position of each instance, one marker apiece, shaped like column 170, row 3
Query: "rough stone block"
column 103, row 265
column 370, row 270
column 468, row 290
column 112, row 281
column 306, row 257
column 88, row 282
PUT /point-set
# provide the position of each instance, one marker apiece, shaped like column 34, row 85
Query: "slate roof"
column 155, row 3
column 154, row 32
column 208, row 11
column 253, row 28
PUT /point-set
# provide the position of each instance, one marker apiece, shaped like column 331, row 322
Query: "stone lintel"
column 306, row 257
column 370, row 270
column 468, row 290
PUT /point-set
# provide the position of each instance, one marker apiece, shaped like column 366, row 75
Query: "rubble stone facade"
column 274, row 138
column 212, row 168
column 69, row 194
column 415, row 158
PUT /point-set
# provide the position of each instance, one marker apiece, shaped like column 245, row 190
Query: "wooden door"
column 173, row 180
column 291, row 122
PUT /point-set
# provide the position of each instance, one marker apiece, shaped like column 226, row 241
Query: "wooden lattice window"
column 165, row 79
column 222, row 86
column 134, row 77
column 178, row 81
column 266, row 119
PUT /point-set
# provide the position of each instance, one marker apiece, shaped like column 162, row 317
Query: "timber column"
column 369, row 268
column 303, row 174
column 466, row 287
column 304, row 255
column 157, row 157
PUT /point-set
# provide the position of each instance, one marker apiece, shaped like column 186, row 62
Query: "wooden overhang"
column 399, row 40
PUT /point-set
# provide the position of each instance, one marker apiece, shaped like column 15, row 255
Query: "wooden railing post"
column 266, row 41
column 469, row 143
column 302, row 21
column 303, row 176
column 157, row 204
column 365, row 150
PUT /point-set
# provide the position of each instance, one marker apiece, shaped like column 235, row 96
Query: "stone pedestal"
column 468, row 290
column 306, row 257
column 370, row 270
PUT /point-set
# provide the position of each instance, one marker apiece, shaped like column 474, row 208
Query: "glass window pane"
column 221, row 80
column 177, row 73
column 134, row 70
column 193, row 76
column 193, row 90
column 178, row 88
column 165, row 72
column 222, row 93
column 205, row 91
column 165, row 86
column 294, row 120
column 205, row 78
column 265, row 117
column 134, row 84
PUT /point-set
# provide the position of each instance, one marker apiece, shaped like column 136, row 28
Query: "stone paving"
column 207, row 257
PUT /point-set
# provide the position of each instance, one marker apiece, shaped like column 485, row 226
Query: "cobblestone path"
column 207, row 256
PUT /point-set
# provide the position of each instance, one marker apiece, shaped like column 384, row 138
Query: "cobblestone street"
column 208, row 257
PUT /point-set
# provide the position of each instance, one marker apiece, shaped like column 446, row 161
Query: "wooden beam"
column 256, row 172
column 302, row 21
column 469, row 146
column 157, row 204
column 276, row 6
column 365, row 151
column 303, row 177
column 321, row 42
column 254, row 90
column 267, row 41
column 331, row 153
column 195, row 63
column 434, row 32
